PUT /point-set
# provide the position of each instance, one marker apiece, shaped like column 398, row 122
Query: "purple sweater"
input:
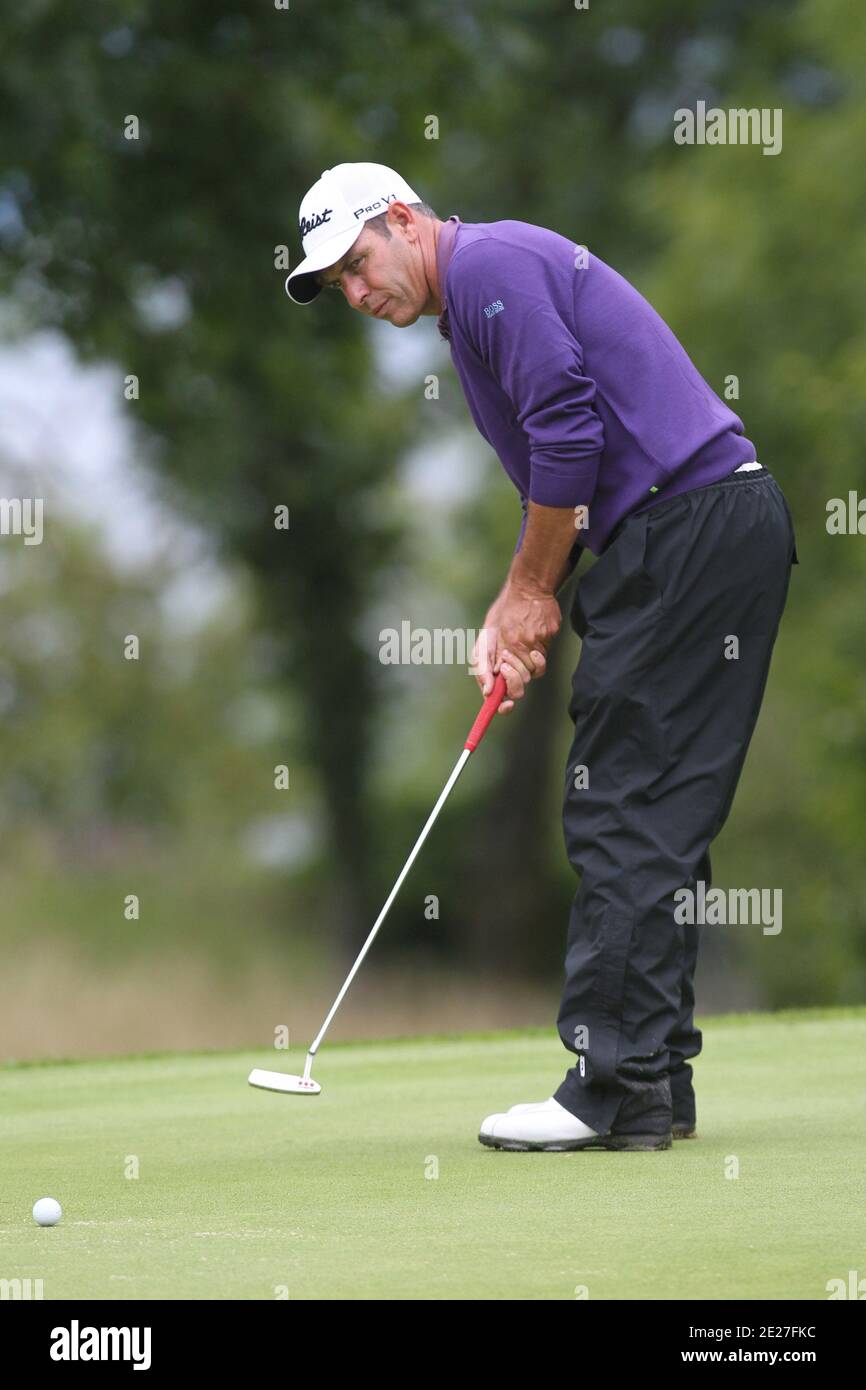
column 573, row 378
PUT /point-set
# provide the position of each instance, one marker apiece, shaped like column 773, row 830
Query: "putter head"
column 281, row 1081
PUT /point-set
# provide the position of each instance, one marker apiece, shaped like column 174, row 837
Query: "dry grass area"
column 55, row 1004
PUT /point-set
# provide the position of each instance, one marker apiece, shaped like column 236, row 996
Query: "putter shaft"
column 476, row 733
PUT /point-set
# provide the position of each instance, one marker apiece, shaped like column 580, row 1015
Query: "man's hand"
column 518, row 629
column 526, row 617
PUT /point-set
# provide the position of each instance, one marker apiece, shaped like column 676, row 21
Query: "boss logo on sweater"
column 308, row 224
column 495, row 308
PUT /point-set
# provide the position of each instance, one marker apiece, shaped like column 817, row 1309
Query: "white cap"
column 332, row 214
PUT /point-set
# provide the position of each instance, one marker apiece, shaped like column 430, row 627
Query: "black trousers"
column 678, row 618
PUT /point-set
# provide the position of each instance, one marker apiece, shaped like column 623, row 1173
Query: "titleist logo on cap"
column 308, row 224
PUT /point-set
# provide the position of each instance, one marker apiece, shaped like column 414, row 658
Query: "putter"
column 305, row 1085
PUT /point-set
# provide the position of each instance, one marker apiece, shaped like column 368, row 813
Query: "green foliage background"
column 117, row 775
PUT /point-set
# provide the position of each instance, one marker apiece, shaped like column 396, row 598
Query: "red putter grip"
column 486, row 713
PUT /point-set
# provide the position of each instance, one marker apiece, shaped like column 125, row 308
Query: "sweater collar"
column 444, row 249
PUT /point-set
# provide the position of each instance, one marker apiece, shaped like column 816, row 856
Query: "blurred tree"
column 763, row 267
column 158, row 253
column 94, row 743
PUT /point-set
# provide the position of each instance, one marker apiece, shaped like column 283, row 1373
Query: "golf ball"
column 47, row 1212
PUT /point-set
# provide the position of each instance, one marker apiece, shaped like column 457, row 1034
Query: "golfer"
column 616, row 445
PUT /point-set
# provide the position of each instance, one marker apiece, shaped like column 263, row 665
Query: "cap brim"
column 300, row 285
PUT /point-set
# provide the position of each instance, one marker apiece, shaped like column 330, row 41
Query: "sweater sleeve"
column 523, row 520
column 506, row 314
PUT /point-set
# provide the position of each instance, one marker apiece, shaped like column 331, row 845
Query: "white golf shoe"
column 643, row 1122
column 538, row 1125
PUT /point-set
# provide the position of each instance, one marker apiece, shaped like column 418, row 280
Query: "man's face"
column 383, row 277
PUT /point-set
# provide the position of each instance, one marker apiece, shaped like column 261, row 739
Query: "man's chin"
column 401, row 316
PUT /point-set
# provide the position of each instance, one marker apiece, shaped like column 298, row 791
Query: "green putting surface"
column 378, row 1188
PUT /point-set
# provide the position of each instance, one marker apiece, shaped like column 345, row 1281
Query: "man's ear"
column 397, row 221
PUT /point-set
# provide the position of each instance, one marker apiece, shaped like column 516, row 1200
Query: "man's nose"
column 356, row 291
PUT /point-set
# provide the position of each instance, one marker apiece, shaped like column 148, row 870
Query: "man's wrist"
column 542, row 564
column 528, row 585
